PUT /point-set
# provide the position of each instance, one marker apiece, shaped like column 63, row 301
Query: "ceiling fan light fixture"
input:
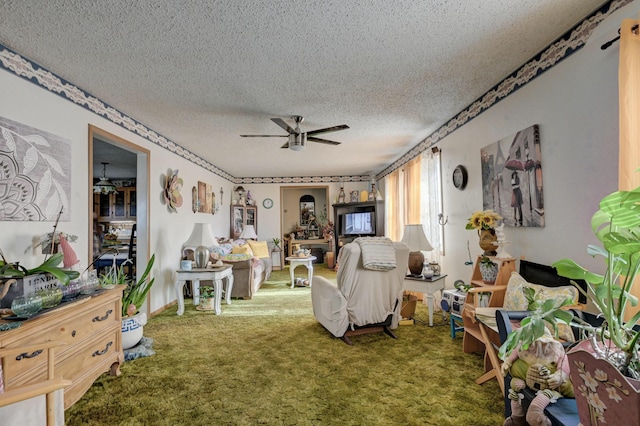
column 104, row 185
column 297, row 142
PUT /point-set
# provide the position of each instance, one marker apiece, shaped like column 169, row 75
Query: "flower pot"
column 132, row 330
column 604, row 396
column 206, row 304
column 487, row 238
column 489, row 272
column 408, row 306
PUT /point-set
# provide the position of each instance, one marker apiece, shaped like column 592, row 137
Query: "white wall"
column 26, row 103
column 576, row 105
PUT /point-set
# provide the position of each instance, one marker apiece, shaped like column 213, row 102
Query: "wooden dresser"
column 91, row 328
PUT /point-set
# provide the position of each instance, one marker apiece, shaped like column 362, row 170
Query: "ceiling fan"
column 297, row 138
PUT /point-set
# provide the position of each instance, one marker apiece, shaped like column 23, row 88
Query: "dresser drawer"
column 91, row 329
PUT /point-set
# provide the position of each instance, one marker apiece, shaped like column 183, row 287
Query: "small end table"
column 428, row 286
column 305, row 261
column 216, row 274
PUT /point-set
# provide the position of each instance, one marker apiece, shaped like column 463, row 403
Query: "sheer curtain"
column 629, row 106
column 431, row 194
column 412, row 193
column 394, row 206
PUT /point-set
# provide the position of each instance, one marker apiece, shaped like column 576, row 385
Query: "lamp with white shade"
column 249, row 233
column 200, row 241
column 417, row 242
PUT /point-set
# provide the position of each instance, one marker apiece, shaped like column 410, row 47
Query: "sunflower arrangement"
column 487, row 219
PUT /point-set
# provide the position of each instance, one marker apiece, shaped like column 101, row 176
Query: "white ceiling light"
column 104, row 185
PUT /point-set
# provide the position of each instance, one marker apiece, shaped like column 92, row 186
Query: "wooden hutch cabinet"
column 119, row 206
column 242, row 216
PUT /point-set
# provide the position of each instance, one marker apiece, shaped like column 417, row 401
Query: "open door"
column 119, row 219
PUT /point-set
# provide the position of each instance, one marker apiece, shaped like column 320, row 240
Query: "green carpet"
column 267, row 361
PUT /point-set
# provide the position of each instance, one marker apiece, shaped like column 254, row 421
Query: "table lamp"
column 249, row 233
column 417, row 242
column 200, row 240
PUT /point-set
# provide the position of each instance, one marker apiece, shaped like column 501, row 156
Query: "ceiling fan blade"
column 280, row 122
column 286, row 145
column 328, row 142
column 264, row 136
column 328, row 129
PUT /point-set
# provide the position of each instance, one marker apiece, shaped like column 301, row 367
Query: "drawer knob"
column 73, row 333
column 25, row 355
column 104, row 351
column 97, row 319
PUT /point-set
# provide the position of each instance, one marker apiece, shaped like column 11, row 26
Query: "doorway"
column 124, row 218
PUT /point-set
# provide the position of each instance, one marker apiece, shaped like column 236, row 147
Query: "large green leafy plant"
column 617, row 226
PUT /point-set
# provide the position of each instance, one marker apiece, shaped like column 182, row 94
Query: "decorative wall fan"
column 297, row 138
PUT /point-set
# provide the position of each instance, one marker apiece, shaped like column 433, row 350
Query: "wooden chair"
column 47, row 387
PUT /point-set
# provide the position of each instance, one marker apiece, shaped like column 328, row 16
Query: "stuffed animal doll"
column 543, row 367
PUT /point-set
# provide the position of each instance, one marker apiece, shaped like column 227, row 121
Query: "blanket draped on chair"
column 378, row 253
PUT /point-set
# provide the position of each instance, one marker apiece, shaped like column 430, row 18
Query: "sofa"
column 248, row 275
column 250, row 261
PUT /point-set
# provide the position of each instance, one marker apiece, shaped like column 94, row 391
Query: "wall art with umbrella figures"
column 512, row 178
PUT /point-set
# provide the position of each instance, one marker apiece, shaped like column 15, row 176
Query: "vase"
column 132, row 328
column 487, row 238
column 604, row 396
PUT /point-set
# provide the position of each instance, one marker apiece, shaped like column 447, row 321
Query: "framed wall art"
column 512, row 178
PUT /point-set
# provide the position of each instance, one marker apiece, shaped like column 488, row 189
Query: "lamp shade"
column 201, row 236
column 249, row 233
column 104, row 185
column 415, row 238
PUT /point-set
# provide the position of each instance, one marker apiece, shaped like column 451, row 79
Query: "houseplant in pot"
column 133, row 297
column 488, row 270
column 605, row 365
column 207, row 299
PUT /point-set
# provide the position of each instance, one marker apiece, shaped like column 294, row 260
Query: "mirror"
column 307, row 209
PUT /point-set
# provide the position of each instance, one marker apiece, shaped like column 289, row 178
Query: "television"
column 359, row 223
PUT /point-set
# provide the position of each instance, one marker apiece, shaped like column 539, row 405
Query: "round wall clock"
column 267, row 203
column 460, row 177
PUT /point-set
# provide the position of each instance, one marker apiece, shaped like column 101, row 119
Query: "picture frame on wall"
column 512, row 178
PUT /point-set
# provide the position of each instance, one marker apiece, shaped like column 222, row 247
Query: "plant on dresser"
column 134, row 295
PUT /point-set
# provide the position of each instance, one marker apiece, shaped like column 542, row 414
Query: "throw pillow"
column 259, row 248
column 236, row 257
column 514, row 299
column 242, row 249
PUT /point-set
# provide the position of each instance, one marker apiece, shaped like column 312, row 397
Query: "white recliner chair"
column 364, row 300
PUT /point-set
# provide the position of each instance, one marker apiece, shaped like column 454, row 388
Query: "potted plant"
column 14, row 274
column 488, row 270
column 133, row 297
column 485, row 222
column 276, row 244
column 605, row 366
column 207, row 299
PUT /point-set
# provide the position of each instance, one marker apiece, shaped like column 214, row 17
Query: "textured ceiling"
column 203, row 72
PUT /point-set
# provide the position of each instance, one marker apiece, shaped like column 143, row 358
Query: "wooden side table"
column 216, row 275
